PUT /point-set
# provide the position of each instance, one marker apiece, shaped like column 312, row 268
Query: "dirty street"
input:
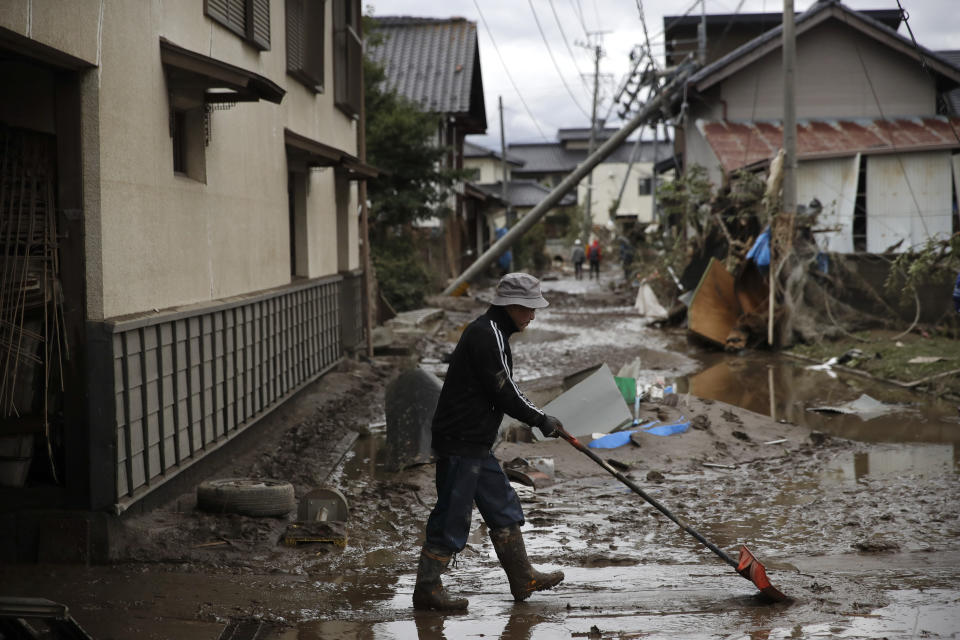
column 859, row 526
column 407, row 320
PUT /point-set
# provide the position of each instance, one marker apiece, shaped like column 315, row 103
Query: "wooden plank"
column 714, row 308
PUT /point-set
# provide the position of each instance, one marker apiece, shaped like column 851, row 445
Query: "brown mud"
column 857, row 520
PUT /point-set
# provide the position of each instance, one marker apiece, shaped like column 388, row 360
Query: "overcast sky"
column 541, row 95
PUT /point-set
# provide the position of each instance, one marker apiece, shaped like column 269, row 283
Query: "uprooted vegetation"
column 819, row 295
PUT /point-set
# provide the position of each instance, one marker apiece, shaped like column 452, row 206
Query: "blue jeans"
column 461, row 482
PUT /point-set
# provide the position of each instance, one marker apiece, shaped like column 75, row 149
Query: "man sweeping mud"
column 477, row 391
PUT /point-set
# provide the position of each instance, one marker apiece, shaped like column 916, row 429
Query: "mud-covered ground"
column 863, row 534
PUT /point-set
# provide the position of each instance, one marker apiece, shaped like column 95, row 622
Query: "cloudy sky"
column 534, row 53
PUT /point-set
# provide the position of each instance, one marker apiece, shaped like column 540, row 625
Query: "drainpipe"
column 459, row 285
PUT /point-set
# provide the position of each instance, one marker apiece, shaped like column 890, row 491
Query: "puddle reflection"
column 923, row 460
column 784, row 389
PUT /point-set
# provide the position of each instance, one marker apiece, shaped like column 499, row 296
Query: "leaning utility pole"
column 702, row 34
column 587, row 218
column 789, row 160
column 508, row 211
column 458, row 286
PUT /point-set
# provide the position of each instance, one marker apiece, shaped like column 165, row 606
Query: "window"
column 305, row 39
column 188, row 135
column 644, row 186
column 347, row 56
column 249, row 19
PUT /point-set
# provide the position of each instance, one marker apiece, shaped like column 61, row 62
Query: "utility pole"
column 702, row 34
column 653, row 173
column 587, row 218
column 790, row 160
column 651, row 109
column 508, row 210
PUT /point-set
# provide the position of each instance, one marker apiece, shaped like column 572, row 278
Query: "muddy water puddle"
column 787, row 390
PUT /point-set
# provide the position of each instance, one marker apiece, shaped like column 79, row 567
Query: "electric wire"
column 546, row 43
column 578, row 11
column 567, row 43
column 893, row 144
column 923, row 62
column 506, row 70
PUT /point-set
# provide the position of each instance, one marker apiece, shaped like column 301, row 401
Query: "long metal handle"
column 643, row 494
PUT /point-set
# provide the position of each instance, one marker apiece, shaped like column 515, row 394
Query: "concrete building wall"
column 607, row 180
column 155, row 239
column 489, row 169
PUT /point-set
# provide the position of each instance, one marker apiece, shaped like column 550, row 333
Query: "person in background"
column 593, row 255
column 577, row 256
column 956, row 294
column 477, row 391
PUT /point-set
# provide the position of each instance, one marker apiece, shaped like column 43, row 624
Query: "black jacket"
column 479, row 389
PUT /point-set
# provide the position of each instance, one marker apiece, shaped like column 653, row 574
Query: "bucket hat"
column 519, row 288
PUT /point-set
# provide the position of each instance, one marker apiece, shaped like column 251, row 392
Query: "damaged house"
column 179, row 206
column 877, row 147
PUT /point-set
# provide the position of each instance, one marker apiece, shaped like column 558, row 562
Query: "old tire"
column 246, row 496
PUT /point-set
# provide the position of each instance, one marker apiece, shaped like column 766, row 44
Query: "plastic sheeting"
column 834, row 183
column 594, row 404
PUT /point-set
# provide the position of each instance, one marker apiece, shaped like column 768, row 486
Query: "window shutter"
column 305, row 38
column 217, row 9
column 295, row 33
column 315, row 38
column 235, row 16
column 260, row 21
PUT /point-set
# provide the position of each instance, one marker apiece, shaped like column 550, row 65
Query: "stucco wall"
column 607, row 180
column 838, row 71
column 156, row 239
column 491, row 170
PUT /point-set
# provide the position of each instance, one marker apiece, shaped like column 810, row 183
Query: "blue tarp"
column 506, row 257
column 760, row 251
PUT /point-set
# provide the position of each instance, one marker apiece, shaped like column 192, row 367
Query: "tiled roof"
column 583, row 133
column 551, row 157
column 527, row 193
column 471, row 150
column 434, row 62
column 740, row 144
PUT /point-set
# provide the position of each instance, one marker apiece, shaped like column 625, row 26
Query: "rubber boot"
column 429, row 592
column 524, row 579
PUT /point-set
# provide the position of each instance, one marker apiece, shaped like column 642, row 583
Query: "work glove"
column 550, row 427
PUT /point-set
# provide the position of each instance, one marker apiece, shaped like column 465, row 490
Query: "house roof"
column 435, row 62
column 471, row 150
column 552, row 157
column 526, row 193
column 742, row 144
column 952, row 97
column 583, row 133
column 815, row 15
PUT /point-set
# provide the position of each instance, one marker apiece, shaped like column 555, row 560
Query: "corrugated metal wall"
column 186, row 382
column 908, row 198
column 834, row 183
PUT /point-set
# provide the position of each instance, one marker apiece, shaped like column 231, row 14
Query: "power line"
column 554, row 60
column 567, row 43
column 506, row 70
column 893, row 143
column 578, row 11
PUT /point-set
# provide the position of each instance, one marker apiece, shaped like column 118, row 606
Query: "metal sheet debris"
column 323, row 504
column 536, row 472
column 594, row 404
column 864, row 407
